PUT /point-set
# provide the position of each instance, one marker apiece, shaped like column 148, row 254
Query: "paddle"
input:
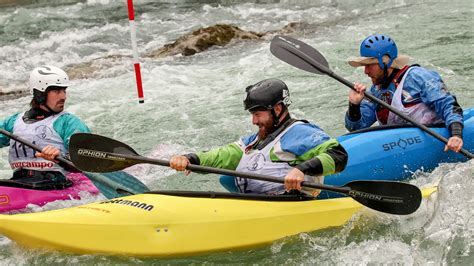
column 305, row 57
column 111, row 185
column 97, row 153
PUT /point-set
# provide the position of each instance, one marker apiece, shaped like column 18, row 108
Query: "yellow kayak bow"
column 165, row 225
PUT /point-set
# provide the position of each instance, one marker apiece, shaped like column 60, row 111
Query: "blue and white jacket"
column 420, row 86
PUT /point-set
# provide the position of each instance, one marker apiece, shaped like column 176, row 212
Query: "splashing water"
column 195, row 103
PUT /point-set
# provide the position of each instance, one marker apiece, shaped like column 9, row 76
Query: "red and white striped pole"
column 136, row 63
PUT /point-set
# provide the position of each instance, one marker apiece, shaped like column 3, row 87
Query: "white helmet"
column 46, row 76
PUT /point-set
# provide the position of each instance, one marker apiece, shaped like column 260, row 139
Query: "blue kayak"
column 395, row 152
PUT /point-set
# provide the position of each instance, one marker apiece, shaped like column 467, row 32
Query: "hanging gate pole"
column 136, row 63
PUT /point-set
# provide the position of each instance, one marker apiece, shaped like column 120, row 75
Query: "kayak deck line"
column 176, row 225
column 388, row 127
column 227, row 195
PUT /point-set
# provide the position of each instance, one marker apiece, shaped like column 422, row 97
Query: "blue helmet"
column 377, row 46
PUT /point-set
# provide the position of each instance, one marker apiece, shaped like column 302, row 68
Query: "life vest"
column 258, row 161
column 382, row 112
column 420, row 112
column 40, row 133
column 417, row 110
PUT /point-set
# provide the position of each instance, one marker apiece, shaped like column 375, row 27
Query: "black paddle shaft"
column 301, row 55
column 62, row 160
column 97, row 153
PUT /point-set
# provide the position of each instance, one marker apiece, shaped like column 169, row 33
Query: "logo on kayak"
column 4, row 200
column 136, row 204
column 402, row 143
column 98, row 154
column 256, row 162
column 36, row 165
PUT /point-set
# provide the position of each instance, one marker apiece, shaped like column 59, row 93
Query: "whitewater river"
column 195, row 103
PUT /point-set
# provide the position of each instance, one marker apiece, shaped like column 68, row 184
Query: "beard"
column 59, row 106
column 377, row 80
column 266, row 128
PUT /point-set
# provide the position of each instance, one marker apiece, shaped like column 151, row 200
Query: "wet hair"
column 34, row 103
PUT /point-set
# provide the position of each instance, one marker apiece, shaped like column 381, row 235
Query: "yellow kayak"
column 163, row 225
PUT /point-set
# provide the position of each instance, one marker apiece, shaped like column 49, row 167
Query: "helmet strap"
column 49, row 109
column 385, row 80
column 385, row 71
column 287, row 121
column 43, row 97
column 39, row 96
column 388, row 78
column 276, row 118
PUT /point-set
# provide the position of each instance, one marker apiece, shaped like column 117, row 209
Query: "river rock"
column 203, row 39
column 219, row 35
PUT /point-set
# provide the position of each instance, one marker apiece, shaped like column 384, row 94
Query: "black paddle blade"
column 299, row 54
column 88, row 153
column 386, row 196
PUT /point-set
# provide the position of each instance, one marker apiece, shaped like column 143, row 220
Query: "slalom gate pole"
column 136, row 63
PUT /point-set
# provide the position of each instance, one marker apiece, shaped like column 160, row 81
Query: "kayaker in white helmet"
column 415, row 91
column 45, row 124
column 283, row 147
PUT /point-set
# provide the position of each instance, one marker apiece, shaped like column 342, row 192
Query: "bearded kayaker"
column 415, row 91
column 45, row 124
column 283, row 147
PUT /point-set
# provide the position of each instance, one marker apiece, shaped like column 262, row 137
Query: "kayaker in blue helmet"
column 283, row 147
column 45, row 124
column 415, row 91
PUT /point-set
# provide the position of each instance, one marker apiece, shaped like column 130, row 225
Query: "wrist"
column 353, row 112
column 193, row 158
column 311, row 167
column 456, row 129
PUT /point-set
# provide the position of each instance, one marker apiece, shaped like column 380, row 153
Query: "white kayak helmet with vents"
column 47, row 76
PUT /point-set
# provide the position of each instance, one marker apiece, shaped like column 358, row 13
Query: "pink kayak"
column 15, row 198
